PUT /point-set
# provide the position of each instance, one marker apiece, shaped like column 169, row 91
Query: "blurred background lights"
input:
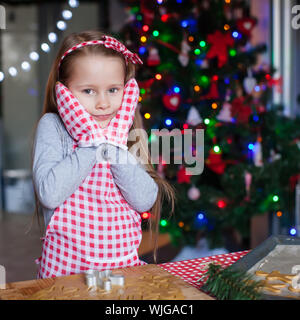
column 143, row 39
column 168, row 122
column 145, row 28
column 142, row 50
column 256, row 118
column 25, row 66
column 184, row 23
column 176, row 89
column 145, row 215
column 221, row 204
column 34, row 56
column 163, row 223
column 197, row 88
column 202, row 44
column 197, row 51
column 1, row 76
column 52, row 37
column 13, row 71
column 235, row 34
column 67, row 14
column 293, row 231
column 250, row 146
column 214, row 105
column 45, row 47
column 217, row 149
column 73, row 3
column 232, row 52
column 279, row 214
column 200, row 216
column 199, row 62
column 61, row 25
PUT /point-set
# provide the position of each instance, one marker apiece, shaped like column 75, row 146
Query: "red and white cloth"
column 85, row 130
column 94, row 228
column 192, row 270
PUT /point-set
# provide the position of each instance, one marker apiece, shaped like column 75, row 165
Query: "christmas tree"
column 200, row 72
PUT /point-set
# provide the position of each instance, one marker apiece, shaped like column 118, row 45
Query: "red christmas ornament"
column 172, row 101
column 276, row 83
column 215, row 163
column 240, row 110
column 183, row 176
column 246, row 26
column 146, row 84
column 219, row 43
column 153, row 57
column 213, row 93
column 148, row 14
column 260, row 108
column 294, row 180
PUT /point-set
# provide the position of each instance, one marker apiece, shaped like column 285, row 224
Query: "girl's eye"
column 113, row 90
column 87, row 91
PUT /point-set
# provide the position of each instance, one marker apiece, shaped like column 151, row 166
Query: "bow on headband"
column 108, row 42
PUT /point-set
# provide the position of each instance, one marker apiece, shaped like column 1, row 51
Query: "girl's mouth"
column 104, row 117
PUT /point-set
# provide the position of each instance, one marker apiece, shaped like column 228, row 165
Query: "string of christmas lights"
column 44, row 47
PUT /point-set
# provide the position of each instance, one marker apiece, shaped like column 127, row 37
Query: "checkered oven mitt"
column 84, row 128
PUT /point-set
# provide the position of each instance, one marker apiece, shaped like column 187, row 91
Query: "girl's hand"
column 118, row 128
column 83, row 127
column 79, row 123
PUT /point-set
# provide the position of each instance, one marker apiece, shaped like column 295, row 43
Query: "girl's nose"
column 102, row 102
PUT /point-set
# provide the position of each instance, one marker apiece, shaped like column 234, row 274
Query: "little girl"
column 91, row 204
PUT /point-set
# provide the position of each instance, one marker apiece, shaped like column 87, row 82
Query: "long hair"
column 166, row 191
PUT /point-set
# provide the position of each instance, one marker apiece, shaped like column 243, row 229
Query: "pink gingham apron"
column 95, row 228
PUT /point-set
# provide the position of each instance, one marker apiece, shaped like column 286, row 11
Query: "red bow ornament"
column 219, row 43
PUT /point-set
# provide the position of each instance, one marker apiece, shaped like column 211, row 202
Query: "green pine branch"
column 228, row 284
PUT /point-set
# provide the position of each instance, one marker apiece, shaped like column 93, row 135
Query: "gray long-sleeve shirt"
column 58, row 170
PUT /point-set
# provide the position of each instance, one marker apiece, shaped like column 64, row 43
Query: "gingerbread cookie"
column 292, row 289
column 276, row 275
column 272, row 287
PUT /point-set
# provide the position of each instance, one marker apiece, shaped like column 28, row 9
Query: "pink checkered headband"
column 108, row 42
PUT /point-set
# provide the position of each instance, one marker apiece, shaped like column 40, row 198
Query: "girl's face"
column 98, row 83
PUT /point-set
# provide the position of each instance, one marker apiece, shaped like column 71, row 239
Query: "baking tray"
column 255, row 255
column 250, row 259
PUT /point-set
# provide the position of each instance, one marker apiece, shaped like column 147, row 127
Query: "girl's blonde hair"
column 166, row 191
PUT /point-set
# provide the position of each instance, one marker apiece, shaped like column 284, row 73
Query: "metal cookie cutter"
column 91, row 278
column 107, row 279
column 117, row 279
column 103, row 279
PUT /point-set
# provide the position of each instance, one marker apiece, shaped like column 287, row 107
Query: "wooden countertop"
column 148, row 282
